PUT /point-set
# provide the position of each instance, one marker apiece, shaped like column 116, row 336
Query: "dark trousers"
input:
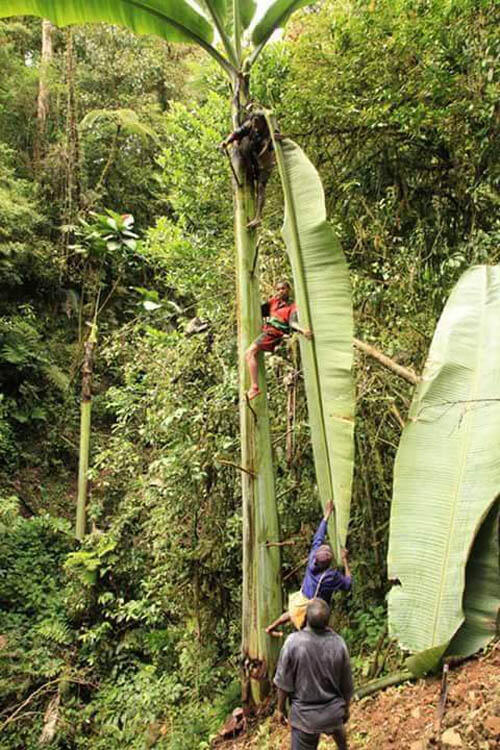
column 304, row 741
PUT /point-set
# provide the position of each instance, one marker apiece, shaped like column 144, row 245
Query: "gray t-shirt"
column 314, row 669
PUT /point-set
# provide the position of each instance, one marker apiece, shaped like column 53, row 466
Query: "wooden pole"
column 385, row 361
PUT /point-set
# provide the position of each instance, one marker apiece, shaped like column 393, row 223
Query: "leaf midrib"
column 459, row 483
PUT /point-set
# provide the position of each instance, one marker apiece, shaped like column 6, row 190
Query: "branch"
column 235, row 466
column 383, row 359
column 394, row 410
column 28, row 700
column 294, row 570
column 286, row 543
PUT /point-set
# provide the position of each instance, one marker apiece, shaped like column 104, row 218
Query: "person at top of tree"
column 320, row 580
column 281, row 318
column 256, row 148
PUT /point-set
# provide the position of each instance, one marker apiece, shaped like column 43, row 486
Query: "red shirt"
column 279, row 312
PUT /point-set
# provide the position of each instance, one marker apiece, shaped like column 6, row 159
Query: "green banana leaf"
column 247, row 10
column 223, row 9
column 276, row 17
column 481, row 590
column 446, row 484
column 323, row 293
column 173, row 20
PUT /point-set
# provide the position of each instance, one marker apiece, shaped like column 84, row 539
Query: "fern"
column 55, row 631
column 125, row 119
column 56, row 376
column 19, row 341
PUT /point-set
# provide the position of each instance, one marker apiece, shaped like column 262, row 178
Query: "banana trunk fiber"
column 262, row 600
column 85, row 414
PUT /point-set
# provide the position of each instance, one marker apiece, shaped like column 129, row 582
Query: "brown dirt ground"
column 404, row 717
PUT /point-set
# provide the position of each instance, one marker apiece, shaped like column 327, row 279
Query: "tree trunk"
column 42, row 109
column 262, row 601
column 72, row 187
column 85, row 414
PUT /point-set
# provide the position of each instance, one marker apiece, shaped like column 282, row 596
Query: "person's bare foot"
column 253, row 392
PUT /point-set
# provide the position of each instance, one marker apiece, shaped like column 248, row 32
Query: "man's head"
column 283, row 289
column 258, row 121
column 323, row 557
column 318, row 614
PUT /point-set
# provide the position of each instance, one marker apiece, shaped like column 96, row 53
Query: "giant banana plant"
column 443, row 547
column 201, row 23
column 323, row 292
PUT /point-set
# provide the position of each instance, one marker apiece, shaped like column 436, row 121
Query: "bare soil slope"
column 405, row 717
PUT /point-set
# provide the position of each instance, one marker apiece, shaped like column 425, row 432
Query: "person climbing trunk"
column 281, row 317
column 320, row 580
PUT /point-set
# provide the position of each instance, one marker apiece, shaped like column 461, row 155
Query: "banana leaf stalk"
column 323, row 293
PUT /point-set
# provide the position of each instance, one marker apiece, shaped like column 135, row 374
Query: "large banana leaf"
column 173, row 20
column 447, row 479
column 323, row 294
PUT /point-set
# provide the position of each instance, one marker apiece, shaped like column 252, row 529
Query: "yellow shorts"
column 297, row 606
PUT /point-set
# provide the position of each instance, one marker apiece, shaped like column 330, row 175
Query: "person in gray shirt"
column 314, row 672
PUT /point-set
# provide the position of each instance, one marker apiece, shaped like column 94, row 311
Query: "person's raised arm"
column 294, row 325
column 236, row 135
column 344, row 555
column 320, row 534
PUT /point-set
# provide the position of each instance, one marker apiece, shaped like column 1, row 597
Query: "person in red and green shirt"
column 281, row 318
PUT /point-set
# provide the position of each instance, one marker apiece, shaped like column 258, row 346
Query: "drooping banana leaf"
column 323, row 294
column 173, row 20
column 446, row 481
column 481, row 590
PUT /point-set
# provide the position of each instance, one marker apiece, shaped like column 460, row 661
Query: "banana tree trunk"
column 85, row 414
column 262, row 600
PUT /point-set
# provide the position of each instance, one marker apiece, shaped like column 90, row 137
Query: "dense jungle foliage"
column 131, row 639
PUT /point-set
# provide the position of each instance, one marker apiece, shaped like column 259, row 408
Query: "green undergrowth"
column 124, row 673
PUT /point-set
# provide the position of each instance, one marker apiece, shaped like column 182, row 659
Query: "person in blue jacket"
column 320, row 581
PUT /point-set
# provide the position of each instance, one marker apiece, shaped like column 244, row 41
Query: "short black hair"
column 284, row 282
column 318, row 614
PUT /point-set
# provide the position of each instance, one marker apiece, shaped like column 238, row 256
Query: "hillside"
column 405, row 717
